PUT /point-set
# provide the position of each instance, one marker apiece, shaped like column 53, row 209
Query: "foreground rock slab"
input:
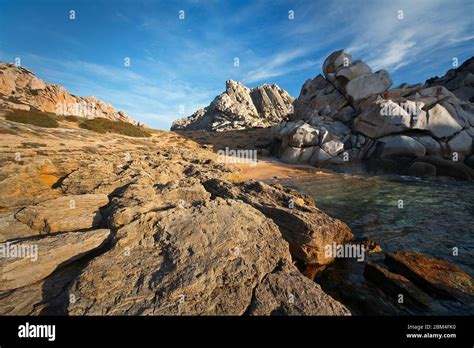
column 201, row 260
column 67, row 213
column 51, row 252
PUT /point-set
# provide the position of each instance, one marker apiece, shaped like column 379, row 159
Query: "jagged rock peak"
column 240, row 107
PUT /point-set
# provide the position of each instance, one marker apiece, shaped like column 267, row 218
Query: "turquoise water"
column 401, row 214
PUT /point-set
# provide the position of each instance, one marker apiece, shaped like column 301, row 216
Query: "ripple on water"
column 401, row 213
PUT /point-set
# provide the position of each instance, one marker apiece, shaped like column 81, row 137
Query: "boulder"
column 319, row 156
column 421, row 169
column 51, row 252
column 441, row 123
column 358, row 68
column 67, row 213
column 445, row 167
column 461, row 144
column 333, row 147
column 291, row 154
column 334, row 61
column 401, row 145
column 366, row 86
column 304, row 135
column 384, row 117
column 431, row 145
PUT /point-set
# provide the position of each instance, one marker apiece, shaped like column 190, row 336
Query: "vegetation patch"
column 35, row 118
column 104, row 125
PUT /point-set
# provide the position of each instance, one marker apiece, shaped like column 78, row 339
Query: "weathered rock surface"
column 460, row 81
column 21, row 89
column 307, row 229
column 67, row 213
column 354, row 113
column 52, row 251
column 436, row 276
column 239, row 108
column 205, row 259
column 286, row 292
column 401, row 145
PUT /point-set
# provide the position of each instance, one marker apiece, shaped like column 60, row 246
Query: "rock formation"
column 351, row 117
column 144, row 227
column 240, row 107
column 21, row 89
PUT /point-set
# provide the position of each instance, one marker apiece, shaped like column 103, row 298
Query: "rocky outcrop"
column 399, row 283
column 240, row 107
column 141, row 227
column 436, row 276
column 460, row 81
column 351, row 118
column 307, row 229
column 21, row 89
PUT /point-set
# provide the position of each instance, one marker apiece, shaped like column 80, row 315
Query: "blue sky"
column 176, row 62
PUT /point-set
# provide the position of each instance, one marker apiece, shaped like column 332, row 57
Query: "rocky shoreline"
column 106, row 224
column 145, row 227
column 141, row 226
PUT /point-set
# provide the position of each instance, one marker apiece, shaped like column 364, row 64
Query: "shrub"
column 36, row 118
column 104, row 125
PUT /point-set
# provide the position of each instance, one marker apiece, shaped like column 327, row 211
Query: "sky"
column 178, row 65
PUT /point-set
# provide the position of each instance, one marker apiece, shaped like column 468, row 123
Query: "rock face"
column 350, row 117
column 460, row 81
column 436, row 276
column 202, row 260
column 21, row 89
column 239, row 108
column 67, row 213
column 307, row 229
column 18, row 271
column 174, row 237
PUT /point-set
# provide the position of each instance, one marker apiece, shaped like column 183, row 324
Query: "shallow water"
column 401, row 214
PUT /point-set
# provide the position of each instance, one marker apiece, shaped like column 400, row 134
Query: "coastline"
column 270, row 168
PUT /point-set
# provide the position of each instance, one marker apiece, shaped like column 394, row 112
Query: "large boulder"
column 366, row 86
column 461, row 144
column 304, row 135
column 200, row 260
column 441, row 122
column 401, row 145
column 384, row 117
